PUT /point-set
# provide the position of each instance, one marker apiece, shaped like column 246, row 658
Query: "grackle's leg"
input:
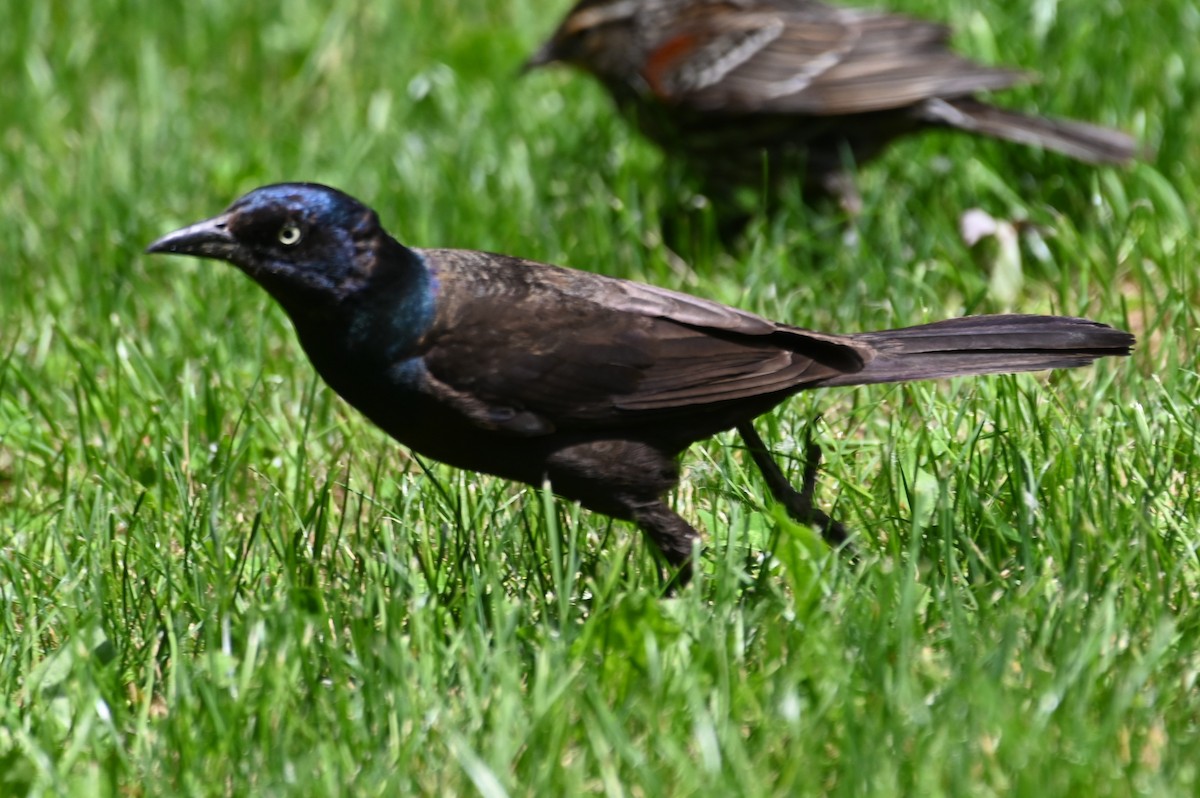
column 627, row 480
column 674, row 537
column 799, row 504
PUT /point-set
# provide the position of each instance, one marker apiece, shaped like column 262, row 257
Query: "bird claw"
column 798, row 503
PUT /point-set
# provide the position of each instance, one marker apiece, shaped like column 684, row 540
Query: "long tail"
column 1079, row 140
column 985, row 345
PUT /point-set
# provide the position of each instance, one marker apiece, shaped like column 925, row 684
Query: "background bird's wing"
column 814, row 59
column 579, row 350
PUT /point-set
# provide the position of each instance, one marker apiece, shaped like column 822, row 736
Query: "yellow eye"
column 289, row 235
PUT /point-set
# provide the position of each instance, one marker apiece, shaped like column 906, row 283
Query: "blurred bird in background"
column 756, row 93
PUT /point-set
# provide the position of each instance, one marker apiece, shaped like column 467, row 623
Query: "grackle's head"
column 303, row 242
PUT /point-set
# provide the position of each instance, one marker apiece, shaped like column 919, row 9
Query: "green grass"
column 219, row 580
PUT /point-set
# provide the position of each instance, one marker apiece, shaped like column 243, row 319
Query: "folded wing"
column 579, row 350
column 809, row 58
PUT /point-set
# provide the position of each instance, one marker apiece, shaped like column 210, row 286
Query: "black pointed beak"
column 208, row 239
column 546, row 54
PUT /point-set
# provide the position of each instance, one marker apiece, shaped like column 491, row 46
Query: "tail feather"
column 1079, row 140
column 974, row 345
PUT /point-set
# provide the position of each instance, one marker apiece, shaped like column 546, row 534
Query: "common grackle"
column 735, row 88
column 535, row 372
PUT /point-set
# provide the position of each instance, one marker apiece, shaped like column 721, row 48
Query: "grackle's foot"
column 798, row 503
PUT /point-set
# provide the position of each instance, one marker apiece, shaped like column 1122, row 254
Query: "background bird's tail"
column 985, row 345
column 1079, row 140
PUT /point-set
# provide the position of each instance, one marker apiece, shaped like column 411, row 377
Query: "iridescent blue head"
column 309, row 245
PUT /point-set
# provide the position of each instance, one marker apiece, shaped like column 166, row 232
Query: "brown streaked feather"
column 833, row 61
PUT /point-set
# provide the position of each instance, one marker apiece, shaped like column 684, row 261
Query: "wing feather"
column 826, row 61
column 581, row 350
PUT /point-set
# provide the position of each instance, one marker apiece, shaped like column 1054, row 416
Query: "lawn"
column 218, row 579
